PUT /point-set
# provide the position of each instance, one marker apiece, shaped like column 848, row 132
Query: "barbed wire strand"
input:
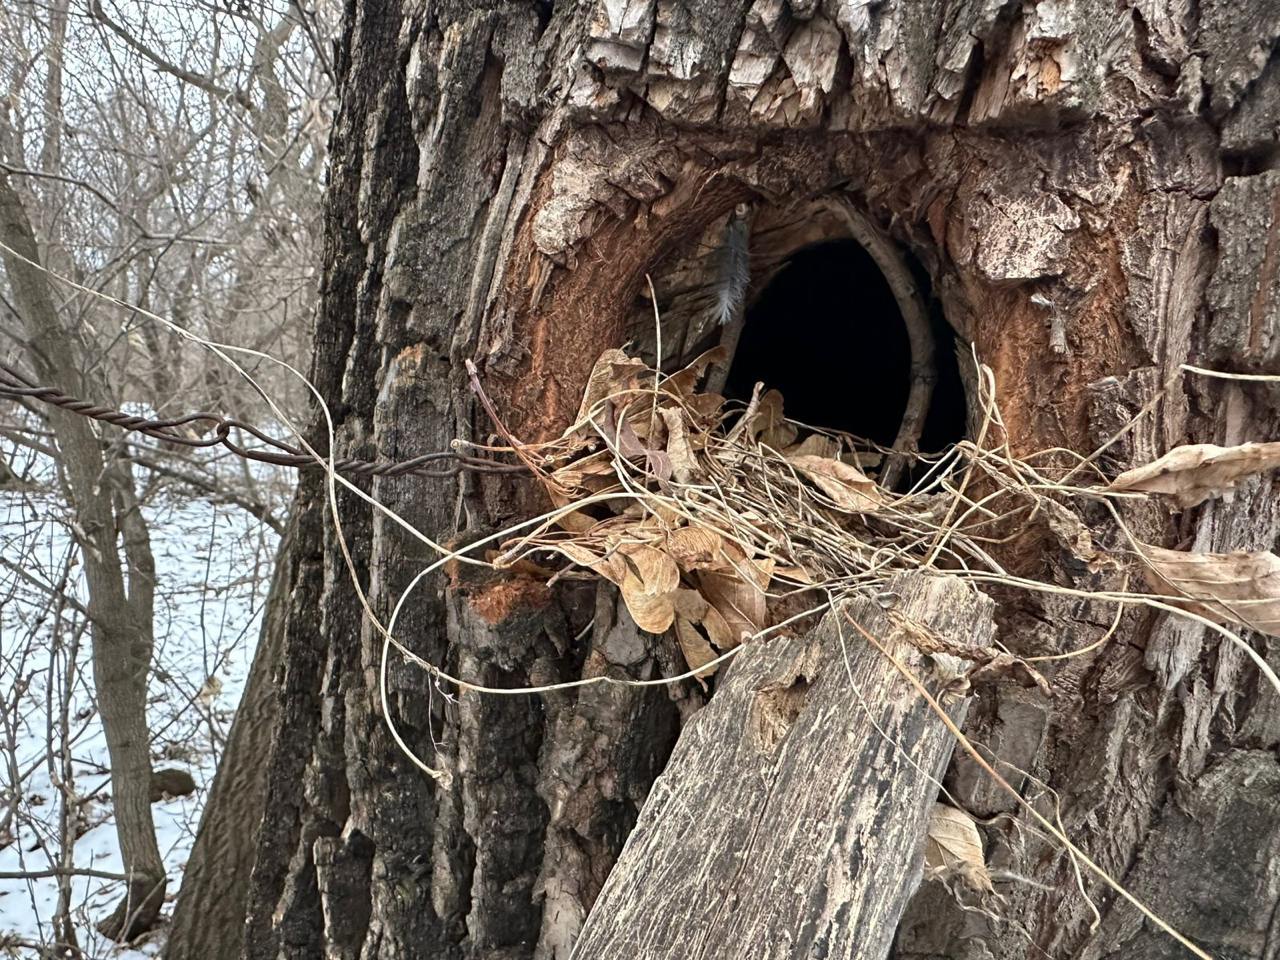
column 17, row 385
column 333, row 478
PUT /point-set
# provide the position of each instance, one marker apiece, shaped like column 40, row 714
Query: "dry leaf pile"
column 953, row 847
column 720, row 522
column 715, row 522
column 706, row 523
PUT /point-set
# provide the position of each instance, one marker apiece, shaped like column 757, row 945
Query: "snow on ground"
column 213, row 567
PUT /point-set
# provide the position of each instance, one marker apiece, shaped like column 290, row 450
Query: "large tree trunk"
column 208, row 919
column 1088, row 188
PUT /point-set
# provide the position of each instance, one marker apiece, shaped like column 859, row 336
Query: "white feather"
column 733, row 274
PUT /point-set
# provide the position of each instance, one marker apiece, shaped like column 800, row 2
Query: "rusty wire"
column 17, row 385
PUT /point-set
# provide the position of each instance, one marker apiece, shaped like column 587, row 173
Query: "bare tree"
column 119, row 568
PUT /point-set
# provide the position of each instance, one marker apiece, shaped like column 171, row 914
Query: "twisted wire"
column 17, row 385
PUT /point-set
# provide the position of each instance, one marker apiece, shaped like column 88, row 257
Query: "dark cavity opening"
column 828, row 334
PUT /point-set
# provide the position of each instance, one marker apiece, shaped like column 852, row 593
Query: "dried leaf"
column 648, row 586
column 1005, row 666
column 814, row 445
column 1197, row 472
column 862, row 459
column 952, row 672
column 1242, row 588
column 953, row 846
column 1072, row 536
column 742, row 604
column 684, row 465
column 849, row 487
column 706, row 407
column 766, row 415
column 605, row 379
column 697, row 651
column 794, row 575
column 659, row 464
column 690, row 604
column 696, row 548
column 781, row 436
column 593, row 473
column 629, row 444
column 683, row 382
column 718, row 630
column 768, row 425
column 612, row 567
column 575, row 521
column 760, row 572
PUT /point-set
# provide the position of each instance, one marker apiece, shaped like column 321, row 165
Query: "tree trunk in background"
column 119, row 571
column 503, row 176
column 208, row 919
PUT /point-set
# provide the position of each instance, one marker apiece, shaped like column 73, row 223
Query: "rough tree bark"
column 1090, row 187
column 208, row 919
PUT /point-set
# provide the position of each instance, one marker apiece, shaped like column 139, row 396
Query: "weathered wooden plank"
column 786, row 824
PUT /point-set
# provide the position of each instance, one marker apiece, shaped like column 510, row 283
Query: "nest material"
column 724, row 522
column 727, row 522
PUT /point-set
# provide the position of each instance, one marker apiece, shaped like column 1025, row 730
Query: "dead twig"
column 915, row 317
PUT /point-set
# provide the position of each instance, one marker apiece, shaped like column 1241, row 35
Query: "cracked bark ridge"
column 1210, row 861
column 593, row 781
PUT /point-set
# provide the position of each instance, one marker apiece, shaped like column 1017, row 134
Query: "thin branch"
column 212, row 491
column 206, row 84
column 144, row 232
column 915, row 318
column 61, row 872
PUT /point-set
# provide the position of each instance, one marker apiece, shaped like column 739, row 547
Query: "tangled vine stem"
column 18, row 386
